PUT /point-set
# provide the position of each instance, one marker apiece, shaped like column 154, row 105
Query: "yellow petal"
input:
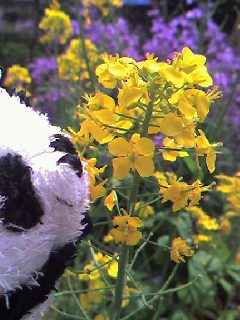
column 145, row 146
column 186, row 138
column 101, row 100
column 174, row 76
column 144, row 166
column 110, row 201
column 98, row 191
column 119, row 147
column 202, row 141
column 121, row 167
column 113, row 269
column 186, row 108
column 105, row 116
column 118, row 70
column 124, row 124
column 133, row 238
column 210, row 160
column 129, row 97
column 117, row 235
column 171, row 125
column 135, row 222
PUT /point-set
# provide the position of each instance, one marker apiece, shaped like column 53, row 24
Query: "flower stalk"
column 123, row 257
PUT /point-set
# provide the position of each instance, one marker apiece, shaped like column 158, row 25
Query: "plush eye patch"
column 22, row 208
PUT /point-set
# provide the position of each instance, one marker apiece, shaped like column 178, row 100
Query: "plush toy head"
column 43, row 202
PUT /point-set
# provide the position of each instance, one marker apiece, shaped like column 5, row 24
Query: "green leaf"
column 234, row 272
column 183, row 223
column 164, row 240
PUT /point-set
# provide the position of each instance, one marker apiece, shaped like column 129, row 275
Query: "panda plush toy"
column 43, row 201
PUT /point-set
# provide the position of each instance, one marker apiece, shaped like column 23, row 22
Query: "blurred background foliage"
column 59, row 79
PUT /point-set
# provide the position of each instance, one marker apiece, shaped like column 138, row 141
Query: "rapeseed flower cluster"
column 230, row 185
column 179, row 192
column 98, row 275
column 56, row 25
column 150, row 98
column 180, row 248
column 72, row 65
column 18, row 77
column 125, row 229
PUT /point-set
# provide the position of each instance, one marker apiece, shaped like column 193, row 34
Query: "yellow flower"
column 144, row 212
column 93, row 171
column 82, row 138
column 193, row 66
column 201, row 238
column 96, row 296
column 203, row 147
column 134, row 155
column 98, row 190
column 192, row 103
column 225, row 226
column 203, row 220
column 91, row 129
column 57, row 25
column 72, row 65
column 108, row 238
column 171, row 155
column 110, row 201
column 231, row 186
column 180, row 249
column 101, row 317
column 180, row 193
column 84, row 300
column 127, row 292
column 125, row 230
column 91, row 273
column 18, row 77
column 114, row 69
column 113, row 269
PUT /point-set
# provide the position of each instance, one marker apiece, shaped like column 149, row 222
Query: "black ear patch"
column 62, row 143
column 21, row 209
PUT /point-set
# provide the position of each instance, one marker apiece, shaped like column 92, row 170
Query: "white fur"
column 25, row 132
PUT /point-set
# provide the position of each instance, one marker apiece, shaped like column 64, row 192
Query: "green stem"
column 130, row 209
column 120, row 282
column 84, row 48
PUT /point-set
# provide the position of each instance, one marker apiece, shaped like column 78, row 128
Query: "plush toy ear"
column 21, row 208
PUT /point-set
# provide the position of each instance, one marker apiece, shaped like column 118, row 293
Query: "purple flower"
column 42, row 68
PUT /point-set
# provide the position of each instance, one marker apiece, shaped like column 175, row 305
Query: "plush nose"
column 74, row 161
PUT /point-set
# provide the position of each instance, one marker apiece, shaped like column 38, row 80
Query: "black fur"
column 21, row 301
column 26, row 298
column 22, row 209
column 74, row 161
column 22, row 96
column 63, row 144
